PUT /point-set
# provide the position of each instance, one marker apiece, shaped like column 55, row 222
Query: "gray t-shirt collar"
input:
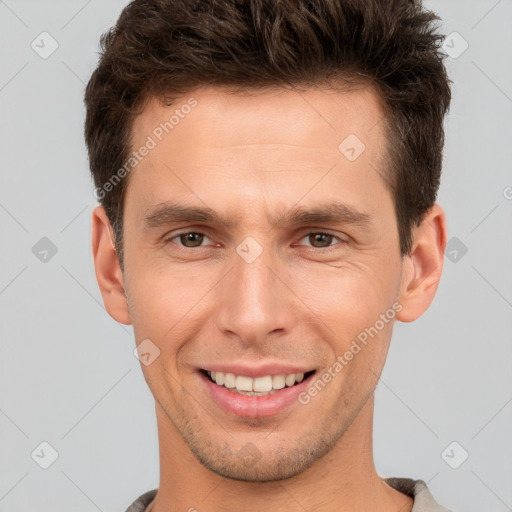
column 416, row 489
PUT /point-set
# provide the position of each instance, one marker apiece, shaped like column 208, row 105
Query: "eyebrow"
column 335, row 212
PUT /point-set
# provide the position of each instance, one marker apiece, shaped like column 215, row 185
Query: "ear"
column 422, row 267
column 106, row 265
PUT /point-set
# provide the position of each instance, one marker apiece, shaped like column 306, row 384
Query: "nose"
column 255, row 301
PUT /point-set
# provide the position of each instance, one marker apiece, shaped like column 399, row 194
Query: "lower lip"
column 254, row 406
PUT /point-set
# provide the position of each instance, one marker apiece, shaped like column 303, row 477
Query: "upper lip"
column 255, row 371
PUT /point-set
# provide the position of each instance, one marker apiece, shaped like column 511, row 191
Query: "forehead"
column 236, row 117
column 213, row 143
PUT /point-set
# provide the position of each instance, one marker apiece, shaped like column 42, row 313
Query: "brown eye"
column 321, row 240
column 189, row 239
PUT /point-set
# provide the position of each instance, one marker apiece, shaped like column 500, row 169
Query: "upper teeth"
column 258, row 384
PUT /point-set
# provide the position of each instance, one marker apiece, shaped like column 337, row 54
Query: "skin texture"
column 250, row 156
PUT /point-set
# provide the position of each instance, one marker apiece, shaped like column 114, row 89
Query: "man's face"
column 269, row 294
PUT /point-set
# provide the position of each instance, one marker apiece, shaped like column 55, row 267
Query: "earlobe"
column 422, row 268
column 107, row 269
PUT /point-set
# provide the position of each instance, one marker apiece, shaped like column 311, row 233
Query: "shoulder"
column 140, row 504
column 419, row 491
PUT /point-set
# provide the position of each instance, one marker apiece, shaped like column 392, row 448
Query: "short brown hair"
column 163, row 48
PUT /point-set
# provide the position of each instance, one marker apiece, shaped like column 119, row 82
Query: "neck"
column 343, row 480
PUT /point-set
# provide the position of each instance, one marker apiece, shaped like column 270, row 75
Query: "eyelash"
column 323, row 249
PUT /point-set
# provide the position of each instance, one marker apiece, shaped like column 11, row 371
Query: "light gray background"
column 68, row 375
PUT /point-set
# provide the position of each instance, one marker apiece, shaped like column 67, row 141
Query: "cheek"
column 165, row 300
column 350, row 297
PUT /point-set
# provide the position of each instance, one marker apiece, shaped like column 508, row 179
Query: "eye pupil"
column 194, row 238
column 323, row 238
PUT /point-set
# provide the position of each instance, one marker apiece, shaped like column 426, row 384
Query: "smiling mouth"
column 258, row 386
